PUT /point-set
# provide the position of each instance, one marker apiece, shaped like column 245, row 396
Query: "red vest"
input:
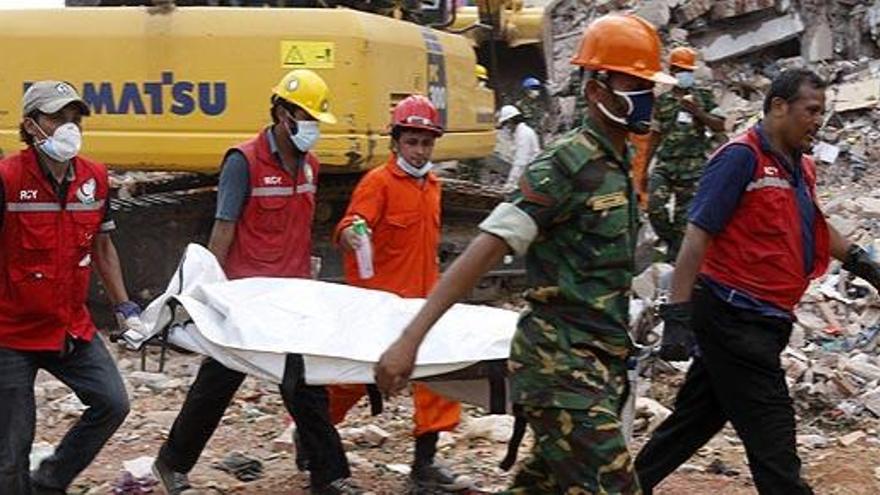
column 760, row 251
column 45, row 253
column 273, row 235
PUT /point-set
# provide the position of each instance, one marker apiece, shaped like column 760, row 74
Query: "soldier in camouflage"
column 685, row 120
column 534, row 106
column 573, row 216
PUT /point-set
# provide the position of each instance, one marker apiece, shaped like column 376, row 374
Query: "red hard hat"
column 417, row 112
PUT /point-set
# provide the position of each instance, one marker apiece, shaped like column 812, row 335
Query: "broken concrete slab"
column 817, row 43
column 750, row 37
column 854, row 95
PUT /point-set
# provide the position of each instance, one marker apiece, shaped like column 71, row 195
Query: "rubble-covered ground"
column 839, row 457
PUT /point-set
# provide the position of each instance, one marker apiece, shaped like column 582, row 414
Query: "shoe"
column 302, row 457
column 435, row 477
column 172, row 481
column 342, row 486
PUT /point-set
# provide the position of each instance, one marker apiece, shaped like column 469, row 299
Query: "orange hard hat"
column 417, row 112
column 683, row 58
column 622, row 43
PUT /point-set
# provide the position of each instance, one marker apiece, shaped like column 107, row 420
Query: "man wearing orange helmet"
column 573, row 216
column 681, row 143
column 400, row 204
column 262, row 228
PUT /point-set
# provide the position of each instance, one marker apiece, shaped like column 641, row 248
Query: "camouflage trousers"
column 665, row 187
column 576, row 452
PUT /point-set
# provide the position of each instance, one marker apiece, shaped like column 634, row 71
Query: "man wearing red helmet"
column 400, row 203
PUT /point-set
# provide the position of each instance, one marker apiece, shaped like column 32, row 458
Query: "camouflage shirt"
column 682, row 139
column 570, row 349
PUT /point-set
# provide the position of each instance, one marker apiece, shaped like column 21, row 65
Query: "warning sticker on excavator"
column 296, row 54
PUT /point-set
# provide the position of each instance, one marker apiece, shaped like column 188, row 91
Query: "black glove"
column 678, row 338
column 859, row 263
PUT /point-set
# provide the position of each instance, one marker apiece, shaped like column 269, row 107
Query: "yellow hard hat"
column 481, row 73
column 308, row 91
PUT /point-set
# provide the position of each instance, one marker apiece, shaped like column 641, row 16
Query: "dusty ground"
column 256, row 417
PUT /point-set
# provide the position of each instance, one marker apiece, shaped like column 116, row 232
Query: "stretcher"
column 251, row 325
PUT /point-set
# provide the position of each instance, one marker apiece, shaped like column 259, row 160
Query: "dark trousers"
column 211, row 394
column 737, row 379
column 91, row 373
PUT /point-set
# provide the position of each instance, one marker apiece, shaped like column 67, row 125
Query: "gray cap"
column 50, row 97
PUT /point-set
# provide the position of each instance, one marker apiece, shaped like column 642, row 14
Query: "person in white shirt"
column 524, row 140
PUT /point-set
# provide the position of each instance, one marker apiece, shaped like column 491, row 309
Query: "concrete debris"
column 652, row 411
column 40, row 451
column 812, row 441
column 140, row 467
column 156, row 382
column 854, row 96
column 852, row 438
column 733, row 8
column 749, row 37
column 284, row 441
column 693, row 9
column 655, row 11
column 495, row 428
column 369, row 436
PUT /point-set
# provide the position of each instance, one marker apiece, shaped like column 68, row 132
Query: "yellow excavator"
column 172, row 87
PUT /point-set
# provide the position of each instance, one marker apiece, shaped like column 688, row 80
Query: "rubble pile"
column 743, row 45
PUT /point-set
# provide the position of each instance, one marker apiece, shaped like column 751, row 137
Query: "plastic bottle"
column 364, row 253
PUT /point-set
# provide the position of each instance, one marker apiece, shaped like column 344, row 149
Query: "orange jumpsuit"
column 404, row 215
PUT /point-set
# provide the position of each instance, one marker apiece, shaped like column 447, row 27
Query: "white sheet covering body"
column 251, row 324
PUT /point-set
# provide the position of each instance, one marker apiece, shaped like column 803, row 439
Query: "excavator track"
column 154, row 228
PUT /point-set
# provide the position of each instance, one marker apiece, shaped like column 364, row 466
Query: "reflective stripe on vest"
column 33, row 207
column 769, row 182
column 21, row 207
column 272, row 191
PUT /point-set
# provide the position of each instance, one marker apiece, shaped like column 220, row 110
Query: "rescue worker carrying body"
column 574, row 218
column 54, row 226
column 263, row 228
column 400, row 203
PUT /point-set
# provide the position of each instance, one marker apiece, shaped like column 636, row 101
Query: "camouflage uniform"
column 567, row 359
column 680, row 158
column 534, row 111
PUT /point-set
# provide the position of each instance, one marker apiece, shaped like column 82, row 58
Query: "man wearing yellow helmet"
column 573, row 216
column 262, row 228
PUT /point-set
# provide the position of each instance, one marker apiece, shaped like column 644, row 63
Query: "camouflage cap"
column 51, row 96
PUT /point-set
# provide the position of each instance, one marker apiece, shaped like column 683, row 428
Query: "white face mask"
column 63, row 144
column 412, row 170
column 306, row 136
